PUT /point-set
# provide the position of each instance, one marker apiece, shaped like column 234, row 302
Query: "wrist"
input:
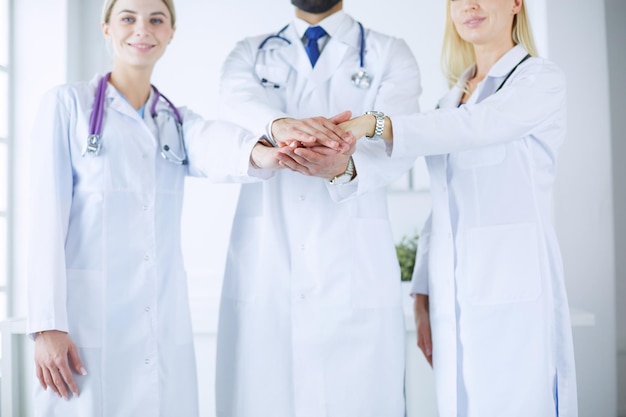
column 371, row 125
column 346, row 176
column 420, row 303
column 254, row 162
column 275, row 128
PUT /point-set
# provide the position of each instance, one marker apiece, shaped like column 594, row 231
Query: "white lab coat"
column 311, row 320
column 488, row 256
column 105, row 257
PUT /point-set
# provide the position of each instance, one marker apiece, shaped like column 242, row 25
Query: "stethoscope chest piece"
column 93, row 145
column 362, row 79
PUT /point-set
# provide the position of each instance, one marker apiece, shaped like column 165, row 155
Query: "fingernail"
column 83, row 371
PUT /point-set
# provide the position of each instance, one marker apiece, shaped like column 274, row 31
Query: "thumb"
column 341, row 117
column 75, row 360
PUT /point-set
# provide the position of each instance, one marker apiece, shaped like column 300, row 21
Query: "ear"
column 105, row 29
column 517, row 6
column 173, row 32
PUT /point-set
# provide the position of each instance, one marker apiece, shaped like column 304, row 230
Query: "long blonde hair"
column 457, row 55
column 108, row 6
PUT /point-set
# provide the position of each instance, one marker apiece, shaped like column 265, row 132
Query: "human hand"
column 265, row 157
column 317, row 161
column 53, row 348
column 422, row 326
column 313, row 131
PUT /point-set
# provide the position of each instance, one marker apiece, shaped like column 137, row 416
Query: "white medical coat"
column 311, row 320
column 105, row 257
column 488, row 256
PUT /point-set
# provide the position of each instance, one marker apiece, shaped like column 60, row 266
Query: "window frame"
column 7, row 214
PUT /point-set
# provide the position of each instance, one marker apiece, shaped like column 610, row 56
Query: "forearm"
column 365, row 126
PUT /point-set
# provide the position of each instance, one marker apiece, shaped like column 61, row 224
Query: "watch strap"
column 380, row 124
column 346, row 176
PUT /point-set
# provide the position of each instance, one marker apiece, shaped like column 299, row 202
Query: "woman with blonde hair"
column 490, row 304
column 108, row 304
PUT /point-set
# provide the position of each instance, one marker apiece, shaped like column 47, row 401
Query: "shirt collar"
column 331, row 24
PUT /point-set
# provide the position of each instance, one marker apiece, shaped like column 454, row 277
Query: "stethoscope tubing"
column 97, row 116
column 360, row 79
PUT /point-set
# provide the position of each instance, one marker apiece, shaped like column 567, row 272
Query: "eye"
column 128, row 19
column 156, row 20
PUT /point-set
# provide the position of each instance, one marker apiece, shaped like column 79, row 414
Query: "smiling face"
column 484, row 22
column 139, row 31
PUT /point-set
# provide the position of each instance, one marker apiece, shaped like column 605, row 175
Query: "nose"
column 140, row 27
column 470, row 4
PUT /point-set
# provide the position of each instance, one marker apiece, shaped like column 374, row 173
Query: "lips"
column 474, row 21
column 142, row 46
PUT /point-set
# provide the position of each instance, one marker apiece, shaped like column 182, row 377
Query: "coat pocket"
column 84, row 307
column 502, row 264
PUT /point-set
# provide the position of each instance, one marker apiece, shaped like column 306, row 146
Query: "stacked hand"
column 316, row 146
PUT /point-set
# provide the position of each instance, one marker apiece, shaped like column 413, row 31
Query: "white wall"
column 583, row 195
column 41, row 35
column 40, row 30
column 616, row 33
column 59, row 40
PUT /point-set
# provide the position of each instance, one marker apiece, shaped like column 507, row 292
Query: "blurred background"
column 48, row 42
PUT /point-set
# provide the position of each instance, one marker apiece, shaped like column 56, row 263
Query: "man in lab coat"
column 311, row 320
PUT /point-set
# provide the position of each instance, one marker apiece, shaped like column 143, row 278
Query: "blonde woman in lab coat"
column 490, row 303
column 108, row 304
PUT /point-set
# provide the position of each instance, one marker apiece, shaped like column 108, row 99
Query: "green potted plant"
column 406, row 250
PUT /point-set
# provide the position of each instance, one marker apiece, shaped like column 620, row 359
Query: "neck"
column 488, row 55
column 133, row 84
column 314, row 18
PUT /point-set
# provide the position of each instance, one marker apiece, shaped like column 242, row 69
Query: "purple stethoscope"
column 95, row 124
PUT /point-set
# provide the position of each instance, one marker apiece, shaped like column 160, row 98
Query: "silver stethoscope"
column 95, row 124
column 360, row 79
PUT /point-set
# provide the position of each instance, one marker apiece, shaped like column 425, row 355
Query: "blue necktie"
column 312, row 34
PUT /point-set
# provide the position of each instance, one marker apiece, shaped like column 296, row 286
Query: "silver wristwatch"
column 380, row 124
column 347, row 175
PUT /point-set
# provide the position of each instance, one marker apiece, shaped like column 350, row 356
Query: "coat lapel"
column 453, row 97
column 293, row 54
column 334, row 53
